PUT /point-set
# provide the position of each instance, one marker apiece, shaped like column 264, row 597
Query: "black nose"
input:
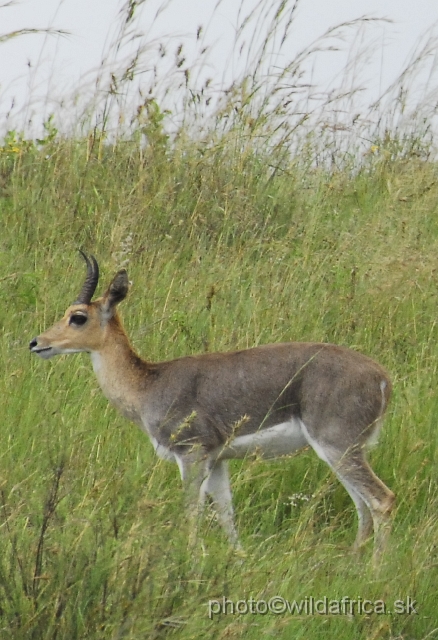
column 33, row 343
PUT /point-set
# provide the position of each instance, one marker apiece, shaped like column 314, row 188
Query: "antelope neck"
column 120, row 373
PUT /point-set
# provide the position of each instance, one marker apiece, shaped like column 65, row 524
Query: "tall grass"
column 232, row 237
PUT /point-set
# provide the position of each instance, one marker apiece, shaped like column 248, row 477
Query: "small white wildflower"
column 298, row 498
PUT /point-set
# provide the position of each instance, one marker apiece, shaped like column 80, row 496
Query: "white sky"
column 62, row 63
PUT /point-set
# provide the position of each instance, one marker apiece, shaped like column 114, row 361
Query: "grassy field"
column 222, row 255
column 246, row 233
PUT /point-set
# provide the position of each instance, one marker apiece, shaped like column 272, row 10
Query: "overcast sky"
column 64, row 61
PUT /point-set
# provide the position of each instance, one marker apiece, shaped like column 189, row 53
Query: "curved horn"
column 90, row 284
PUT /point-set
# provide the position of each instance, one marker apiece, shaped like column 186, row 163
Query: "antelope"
column 202, row 410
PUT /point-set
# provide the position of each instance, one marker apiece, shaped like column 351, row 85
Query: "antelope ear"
column 116, row 292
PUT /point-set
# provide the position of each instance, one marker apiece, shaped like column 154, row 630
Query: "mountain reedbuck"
column 199, row 411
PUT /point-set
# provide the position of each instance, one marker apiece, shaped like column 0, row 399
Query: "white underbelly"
column 273, row 442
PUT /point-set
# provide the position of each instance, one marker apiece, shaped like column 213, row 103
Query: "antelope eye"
column 78, row 319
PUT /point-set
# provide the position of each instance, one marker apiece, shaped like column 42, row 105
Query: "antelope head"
column 83, row 327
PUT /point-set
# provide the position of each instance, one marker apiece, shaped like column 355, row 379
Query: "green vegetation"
column 231, row 239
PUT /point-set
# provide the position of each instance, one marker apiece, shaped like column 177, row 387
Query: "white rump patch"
column 374, row 436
